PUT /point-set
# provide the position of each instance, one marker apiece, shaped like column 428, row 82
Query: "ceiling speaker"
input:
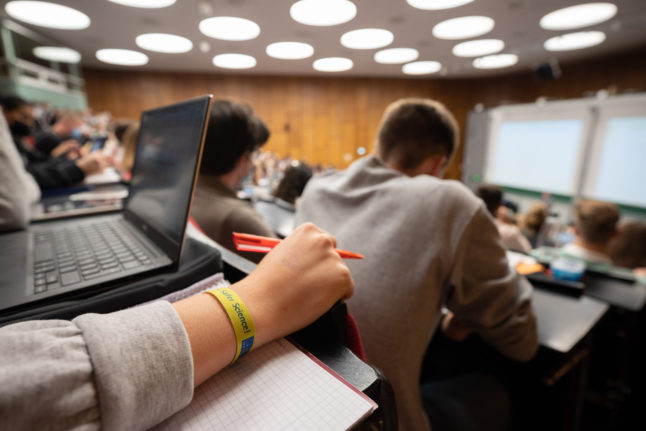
column 547, row 71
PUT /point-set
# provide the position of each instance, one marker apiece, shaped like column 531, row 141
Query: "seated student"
column 62, row 138
column 47, row 171
column 132, row 369
column 628, row 248
column 279, row 211
column 532, row 222
column 234, row 133
column 595, row 224
column 18, row 189
column 427, row 243
column 511, row 236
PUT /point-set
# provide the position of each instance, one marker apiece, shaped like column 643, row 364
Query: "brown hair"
column 628, row 247
column 534, row 218
column 129, row 144
column 595, row 221
column 491, row 195
column 413, row 129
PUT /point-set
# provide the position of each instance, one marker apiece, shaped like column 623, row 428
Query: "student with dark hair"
column 512, row 237
column 234, row 133
column 428, row 244
column 49, row 172
column 628, row 248
column 293, row 183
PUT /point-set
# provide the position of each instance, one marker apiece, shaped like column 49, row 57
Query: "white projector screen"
column 620, row 174
column 539, row 155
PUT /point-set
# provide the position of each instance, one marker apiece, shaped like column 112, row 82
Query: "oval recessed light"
column 234, row 61
column 396, row 55
column 367, row 38
column 333, row 64
column 497, row 61
column 57, row 53
column 476, row 48
column 463, row 27
column 163, row 42
column 146, row 4
column 122, row 57
column 229, row 28
column 578, row 16
column 437, row 4
column 421, row 67
column 48, row 15
column 289, row 50
column 571, row 41
column 323, row 13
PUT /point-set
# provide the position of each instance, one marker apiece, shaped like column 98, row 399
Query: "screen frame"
column 169, row 246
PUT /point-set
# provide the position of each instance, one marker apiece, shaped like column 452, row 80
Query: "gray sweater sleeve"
column 125, row 370
column 489, row 296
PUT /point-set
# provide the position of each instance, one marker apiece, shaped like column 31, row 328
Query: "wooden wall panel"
column 326, row 119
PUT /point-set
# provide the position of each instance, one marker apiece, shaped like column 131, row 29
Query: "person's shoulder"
column 448, row 192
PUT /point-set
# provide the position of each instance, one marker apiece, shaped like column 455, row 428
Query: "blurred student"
column 427, row 243
column 291, row 186
column 532, row 223
column 511, row 236
column 131, row 369
column 595, row 224
column 49, row 172
column 628, row 248
column 234, row 133
column 63, row 137
column 18, row 189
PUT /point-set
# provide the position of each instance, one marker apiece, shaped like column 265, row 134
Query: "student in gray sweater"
column 131, row 369
column 428, row 244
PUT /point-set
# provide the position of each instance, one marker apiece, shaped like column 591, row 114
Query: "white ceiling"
column 516, row 22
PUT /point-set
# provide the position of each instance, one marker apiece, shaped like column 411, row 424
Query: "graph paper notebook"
column 277, row 387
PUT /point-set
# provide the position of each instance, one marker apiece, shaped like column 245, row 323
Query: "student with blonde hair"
column 595, row 224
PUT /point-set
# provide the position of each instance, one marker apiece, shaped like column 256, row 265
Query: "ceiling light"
column 162, row 42
column 229, row 28
column 578, row 16
column 122, row 57
column 476, row 48
column 396, row 55
column 570, row 41
column 147, row 4
column 323, row 12
column 495, row 61
column 463, row 27
column 367, row 38
column 57, row 53
column 421, row 68
column 437, row 4
column 333, row 64
column 48, row 15
column 289, row 50
column 234, row 61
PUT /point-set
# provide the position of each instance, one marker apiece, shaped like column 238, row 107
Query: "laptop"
column 71, row 256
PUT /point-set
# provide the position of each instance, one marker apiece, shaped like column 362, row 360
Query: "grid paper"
column 276, row 387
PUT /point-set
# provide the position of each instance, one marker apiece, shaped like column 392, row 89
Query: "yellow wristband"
column 240, row 319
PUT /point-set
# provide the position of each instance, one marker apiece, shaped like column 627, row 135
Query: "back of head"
column 595, row 221
column 413, row 129
column 11, row 102
column 293, row 183
column 491, row 195
column 628, row 247
column 233, row 131
column 535, row 217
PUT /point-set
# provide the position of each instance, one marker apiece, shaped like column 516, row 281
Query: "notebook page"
column 276, row 387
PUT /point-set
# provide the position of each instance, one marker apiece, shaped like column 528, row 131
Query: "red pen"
column 262, row 244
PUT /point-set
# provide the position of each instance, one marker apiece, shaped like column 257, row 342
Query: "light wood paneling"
column 325, row 119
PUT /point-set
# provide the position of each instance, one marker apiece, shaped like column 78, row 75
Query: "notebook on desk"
column 277, row 387
column 53, row 258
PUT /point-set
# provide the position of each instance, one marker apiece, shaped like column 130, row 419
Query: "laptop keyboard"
column 68, row 256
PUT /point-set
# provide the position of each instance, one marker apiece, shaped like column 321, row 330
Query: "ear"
column 436, row 165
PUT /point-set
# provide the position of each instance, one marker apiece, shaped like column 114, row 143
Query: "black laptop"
column 68, row 256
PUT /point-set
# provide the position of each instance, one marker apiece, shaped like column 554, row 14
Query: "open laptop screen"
column 166, row 158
